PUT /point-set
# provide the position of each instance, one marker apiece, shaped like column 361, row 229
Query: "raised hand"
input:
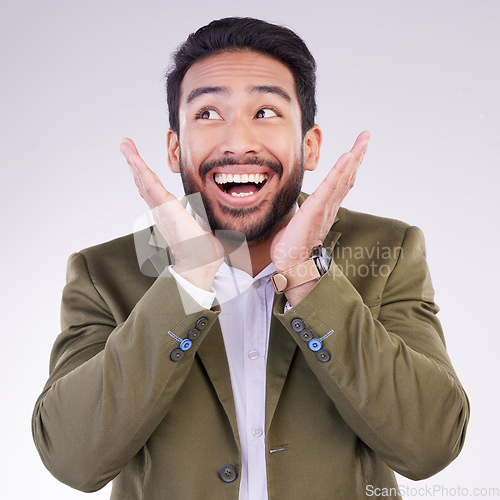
column 311, row 223
column 197, row 253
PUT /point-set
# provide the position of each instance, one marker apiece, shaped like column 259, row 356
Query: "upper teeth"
column 241, row 178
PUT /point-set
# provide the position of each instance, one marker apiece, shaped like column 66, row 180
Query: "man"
column 182, row 373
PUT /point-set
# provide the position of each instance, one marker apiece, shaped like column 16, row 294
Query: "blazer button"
column 201, row 323
column 176, row 354
column 315, row 344
column 186, row 345
column 227, row 473
column 323, row 356
column 194, row 334
column 297, row 325
column 306, row 335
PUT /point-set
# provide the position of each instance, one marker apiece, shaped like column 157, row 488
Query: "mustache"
column 275, row 166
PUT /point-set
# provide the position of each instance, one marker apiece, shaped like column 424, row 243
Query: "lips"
column 235, row 188
column 240, row 184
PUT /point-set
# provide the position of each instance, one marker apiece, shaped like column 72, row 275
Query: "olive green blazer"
column 381, row 396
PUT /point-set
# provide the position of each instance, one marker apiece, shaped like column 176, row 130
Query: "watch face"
column 326, row 257
column 321, row 258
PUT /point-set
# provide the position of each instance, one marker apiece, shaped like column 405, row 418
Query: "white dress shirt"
column 245, row 318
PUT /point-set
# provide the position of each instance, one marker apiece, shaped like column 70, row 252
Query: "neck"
column 260, row 256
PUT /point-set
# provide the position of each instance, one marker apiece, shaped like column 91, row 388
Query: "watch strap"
column 295, row 276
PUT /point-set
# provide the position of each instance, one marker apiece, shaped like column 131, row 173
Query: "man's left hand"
column 309, row 226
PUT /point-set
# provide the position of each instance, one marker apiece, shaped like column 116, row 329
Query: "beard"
column 266, row 216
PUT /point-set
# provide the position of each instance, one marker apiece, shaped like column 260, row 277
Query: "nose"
column 239, row 138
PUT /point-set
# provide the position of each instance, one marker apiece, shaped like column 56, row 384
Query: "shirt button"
column 253, row 354
column 257, row 431
column 227, row 473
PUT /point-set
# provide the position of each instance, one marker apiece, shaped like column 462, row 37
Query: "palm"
column 186, row 238
column 311, row 223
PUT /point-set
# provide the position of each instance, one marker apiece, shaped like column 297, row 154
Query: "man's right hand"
column 187, row 240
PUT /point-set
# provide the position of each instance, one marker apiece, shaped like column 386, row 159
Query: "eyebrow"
column 256, row 89
column 197, row 92
column 271, row 89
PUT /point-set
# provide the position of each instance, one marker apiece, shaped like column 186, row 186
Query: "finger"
column 344, row 171
column 359, row 151
column 128, row 144
column 129, row 151
column 149, row 185
column 361, row 143
column 334, row 188
column 360, row 146
column 328, row 189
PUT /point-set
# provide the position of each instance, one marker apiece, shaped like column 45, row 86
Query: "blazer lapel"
column 279, row 357
column 282, row 346
column 213, row 356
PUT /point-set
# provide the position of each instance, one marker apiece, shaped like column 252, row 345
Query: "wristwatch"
column 312, row 269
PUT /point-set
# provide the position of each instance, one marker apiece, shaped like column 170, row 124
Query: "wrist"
column 295, row 295
column 307, row 272
column 201, row 277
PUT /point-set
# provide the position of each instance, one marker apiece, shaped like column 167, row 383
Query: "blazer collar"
column 162, row 257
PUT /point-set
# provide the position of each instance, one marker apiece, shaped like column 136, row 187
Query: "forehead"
column 238, row 71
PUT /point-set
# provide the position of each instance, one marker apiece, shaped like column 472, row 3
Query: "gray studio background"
column 77, row 76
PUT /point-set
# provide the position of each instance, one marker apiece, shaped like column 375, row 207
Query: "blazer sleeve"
column 111, row 384
column 390, row 378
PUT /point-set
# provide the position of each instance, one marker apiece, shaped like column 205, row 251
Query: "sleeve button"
column 194, row 334
column 186, row 345
column 315, row 344
column 297, row 325
column 176, row 354
column 306, row 335
column 323, row 356
column 201, row 323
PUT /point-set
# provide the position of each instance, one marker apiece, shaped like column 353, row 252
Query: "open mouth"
column 240, row 185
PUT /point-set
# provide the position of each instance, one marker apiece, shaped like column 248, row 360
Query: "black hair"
column 245, row 33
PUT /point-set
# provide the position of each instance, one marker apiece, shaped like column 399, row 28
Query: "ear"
column 173, row 151
column 312, row 146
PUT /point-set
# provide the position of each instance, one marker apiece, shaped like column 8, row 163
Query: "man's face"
column 240, row 142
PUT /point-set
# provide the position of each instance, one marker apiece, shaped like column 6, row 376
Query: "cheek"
column 198, row 148
column 190, row 155
column 285, row 147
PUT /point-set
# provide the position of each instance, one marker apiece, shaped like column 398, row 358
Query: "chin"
column 263, row 227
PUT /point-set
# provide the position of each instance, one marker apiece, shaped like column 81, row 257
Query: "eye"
column 208, row 114
column 267, row 113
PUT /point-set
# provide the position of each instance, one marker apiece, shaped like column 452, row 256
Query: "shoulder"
column 366, row 231
column 129, row 252
column 357, row 223
column 370, row 226
column 118, row 270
